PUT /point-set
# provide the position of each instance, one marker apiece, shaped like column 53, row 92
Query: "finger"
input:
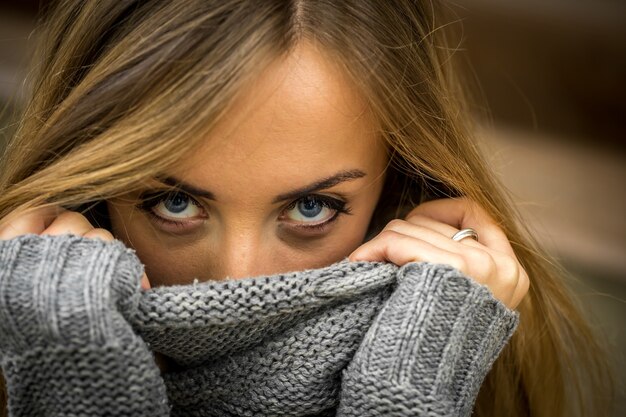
column 441, row 228
column 504, row 257
column 523, row 285
column 32, row 221
column 511, row 282
column 479, row 256
column 505, row 282
column 437, row 225
column 391, row 246
column 479, row 260
column 452, row 211
column 99, row 234
column 502, row 272
column 463, row 213
column 69, row 222
column 447, row 232
column 437, row 233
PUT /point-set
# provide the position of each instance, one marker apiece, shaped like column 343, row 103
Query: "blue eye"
column 315, row 211
column 309, row 208
column 174, row 205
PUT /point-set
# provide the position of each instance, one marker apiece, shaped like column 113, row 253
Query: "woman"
column 233, row 139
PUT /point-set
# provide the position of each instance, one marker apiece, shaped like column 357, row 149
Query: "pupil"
column 177, row 203
column 310, row 207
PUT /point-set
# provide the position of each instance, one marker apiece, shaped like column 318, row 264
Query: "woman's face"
column 267, row 191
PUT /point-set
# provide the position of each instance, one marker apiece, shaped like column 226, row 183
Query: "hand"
column 425, row 235
column 56, row 221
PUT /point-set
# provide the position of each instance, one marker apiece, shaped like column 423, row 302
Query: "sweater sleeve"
column 65, row 346
column 429, row 348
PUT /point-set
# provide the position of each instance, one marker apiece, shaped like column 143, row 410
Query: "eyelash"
column 149, row 200
column 339, row 206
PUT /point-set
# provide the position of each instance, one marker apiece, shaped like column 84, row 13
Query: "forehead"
column 300, row 120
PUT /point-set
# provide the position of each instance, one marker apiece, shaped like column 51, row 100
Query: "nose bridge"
column 240, row 253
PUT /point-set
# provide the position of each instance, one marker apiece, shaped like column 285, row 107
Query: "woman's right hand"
column 56, row 221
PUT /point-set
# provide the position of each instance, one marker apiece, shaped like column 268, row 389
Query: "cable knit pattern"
column 66, row 346
column 349, row 339
column 451, row 332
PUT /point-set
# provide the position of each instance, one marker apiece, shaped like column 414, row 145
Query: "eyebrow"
column 318, row 185
column 188, row 188
column 322, row 184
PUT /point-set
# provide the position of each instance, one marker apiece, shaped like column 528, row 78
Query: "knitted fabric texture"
column 349, row 339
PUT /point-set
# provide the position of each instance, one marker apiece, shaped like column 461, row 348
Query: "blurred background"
column 553, row 77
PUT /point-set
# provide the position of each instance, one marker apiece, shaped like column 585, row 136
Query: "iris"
column 176, row 203
column 310, row 206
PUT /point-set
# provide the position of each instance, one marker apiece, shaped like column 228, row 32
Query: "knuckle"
column 69, row 222
column 72, row 217
column 105, row 234
column 22, row 221
column 458, row 262
column 524, row 283
column 482, row 261
column 511, row 266
column 526, row 288
column 511, row 282
column 388, row 234
column 394, row 224
column 510, row 271
column 100, row 233
column 414, row 212
column 414, row 216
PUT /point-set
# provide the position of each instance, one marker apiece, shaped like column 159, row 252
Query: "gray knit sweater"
column 77, row 336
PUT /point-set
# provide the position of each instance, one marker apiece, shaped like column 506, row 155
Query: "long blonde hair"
column 121, row 91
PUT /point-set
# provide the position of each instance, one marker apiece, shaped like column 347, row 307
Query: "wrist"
column 66, row 288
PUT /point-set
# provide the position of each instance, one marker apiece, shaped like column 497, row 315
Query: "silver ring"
column 462, row 234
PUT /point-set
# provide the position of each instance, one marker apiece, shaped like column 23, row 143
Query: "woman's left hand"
column 425, row 235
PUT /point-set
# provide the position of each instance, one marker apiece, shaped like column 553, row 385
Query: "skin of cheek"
column 174, row 260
